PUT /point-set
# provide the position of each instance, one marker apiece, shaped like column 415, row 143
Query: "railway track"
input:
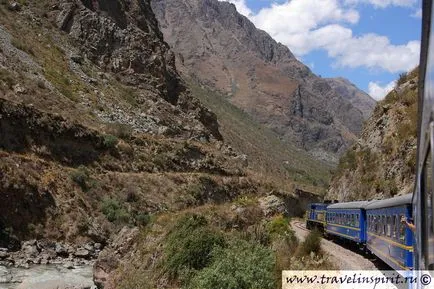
column 343, row 257
column 300, row 225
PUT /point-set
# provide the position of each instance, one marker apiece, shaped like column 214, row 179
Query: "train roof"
column 349, row 205
column 392, row 202
column 317, row 205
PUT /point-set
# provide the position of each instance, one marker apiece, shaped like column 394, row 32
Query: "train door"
column 427, row 207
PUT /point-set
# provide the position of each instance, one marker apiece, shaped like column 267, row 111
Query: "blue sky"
column 370, row 42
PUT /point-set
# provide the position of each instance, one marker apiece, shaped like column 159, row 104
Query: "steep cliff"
column 382, row 162
column 357, row 97
column 223, row 50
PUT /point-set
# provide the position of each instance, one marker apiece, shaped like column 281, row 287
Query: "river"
column 46, row 277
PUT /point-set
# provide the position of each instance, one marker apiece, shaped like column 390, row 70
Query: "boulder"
column 82, row 253
column 14, row 6
column 272, row 205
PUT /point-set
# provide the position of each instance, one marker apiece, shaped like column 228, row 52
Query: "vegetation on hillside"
column 382, row 163
column 198, row 252
column 268, row 155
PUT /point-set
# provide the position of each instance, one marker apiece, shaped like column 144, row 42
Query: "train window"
column 357, row 223
column 401, row 230
column 394, row 226
column 373, row 224
column 368, row 217
column 388, row 226
column 380, row 225
column 377, row 224
column 374, row 228
column 384, row 225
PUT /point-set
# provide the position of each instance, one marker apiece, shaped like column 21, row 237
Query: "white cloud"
column 302, row 15
column 378, row 92
column 384, row 3
column 375, row 51
column 307, row 25
column 417, row 13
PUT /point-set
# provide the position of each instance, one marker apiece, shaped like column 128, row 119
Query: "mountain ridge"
column 223, row 50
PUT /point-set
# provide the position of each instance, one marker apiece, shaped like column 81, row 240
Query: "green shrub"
column 348, row 161
column 110, row 141
column 401, row 79
column 189, row 246
column 312, row 243
column 257, row 233
column 279, row 225
column 242, row 265
column 142, row 219
column 82, row 178
column 114, row 211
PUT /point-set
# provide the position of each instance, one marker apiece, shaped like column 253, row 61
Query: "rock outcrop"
column 357, row 97
column 382, row 162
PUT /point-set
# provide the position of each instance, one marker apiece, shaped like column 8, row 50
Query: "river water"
column 46, row 277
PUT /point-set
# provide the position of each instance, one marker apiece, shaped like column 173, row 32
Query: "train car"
column 316, row 216
column 423, row 199
column 347, row 221
column 387, row 237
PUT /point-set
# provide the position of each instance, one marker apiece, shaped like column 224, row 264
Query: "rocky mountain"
column 86, row 108
column 382, row 162
column 223, row 50
column 357, row 97
column 104, row 150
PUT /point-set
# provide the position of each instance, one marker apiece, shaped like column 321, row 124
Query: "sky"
column 369, row 42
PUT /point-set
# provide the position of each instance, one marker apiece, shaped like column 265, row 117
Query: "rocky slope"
column 95, row 122
column 101, row 143
column 357, row 97
column 382, row 162
column 223, row 50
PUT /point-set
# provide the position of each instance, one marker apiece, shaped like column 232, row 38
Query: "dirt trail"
column 340, row 256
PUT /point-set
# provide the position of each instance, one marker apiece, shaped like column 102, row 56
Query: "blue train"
column 316, row 216
column 373, row 225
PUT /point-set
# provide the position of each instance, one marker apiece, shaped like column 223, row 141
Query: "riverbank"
column 47, row 277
